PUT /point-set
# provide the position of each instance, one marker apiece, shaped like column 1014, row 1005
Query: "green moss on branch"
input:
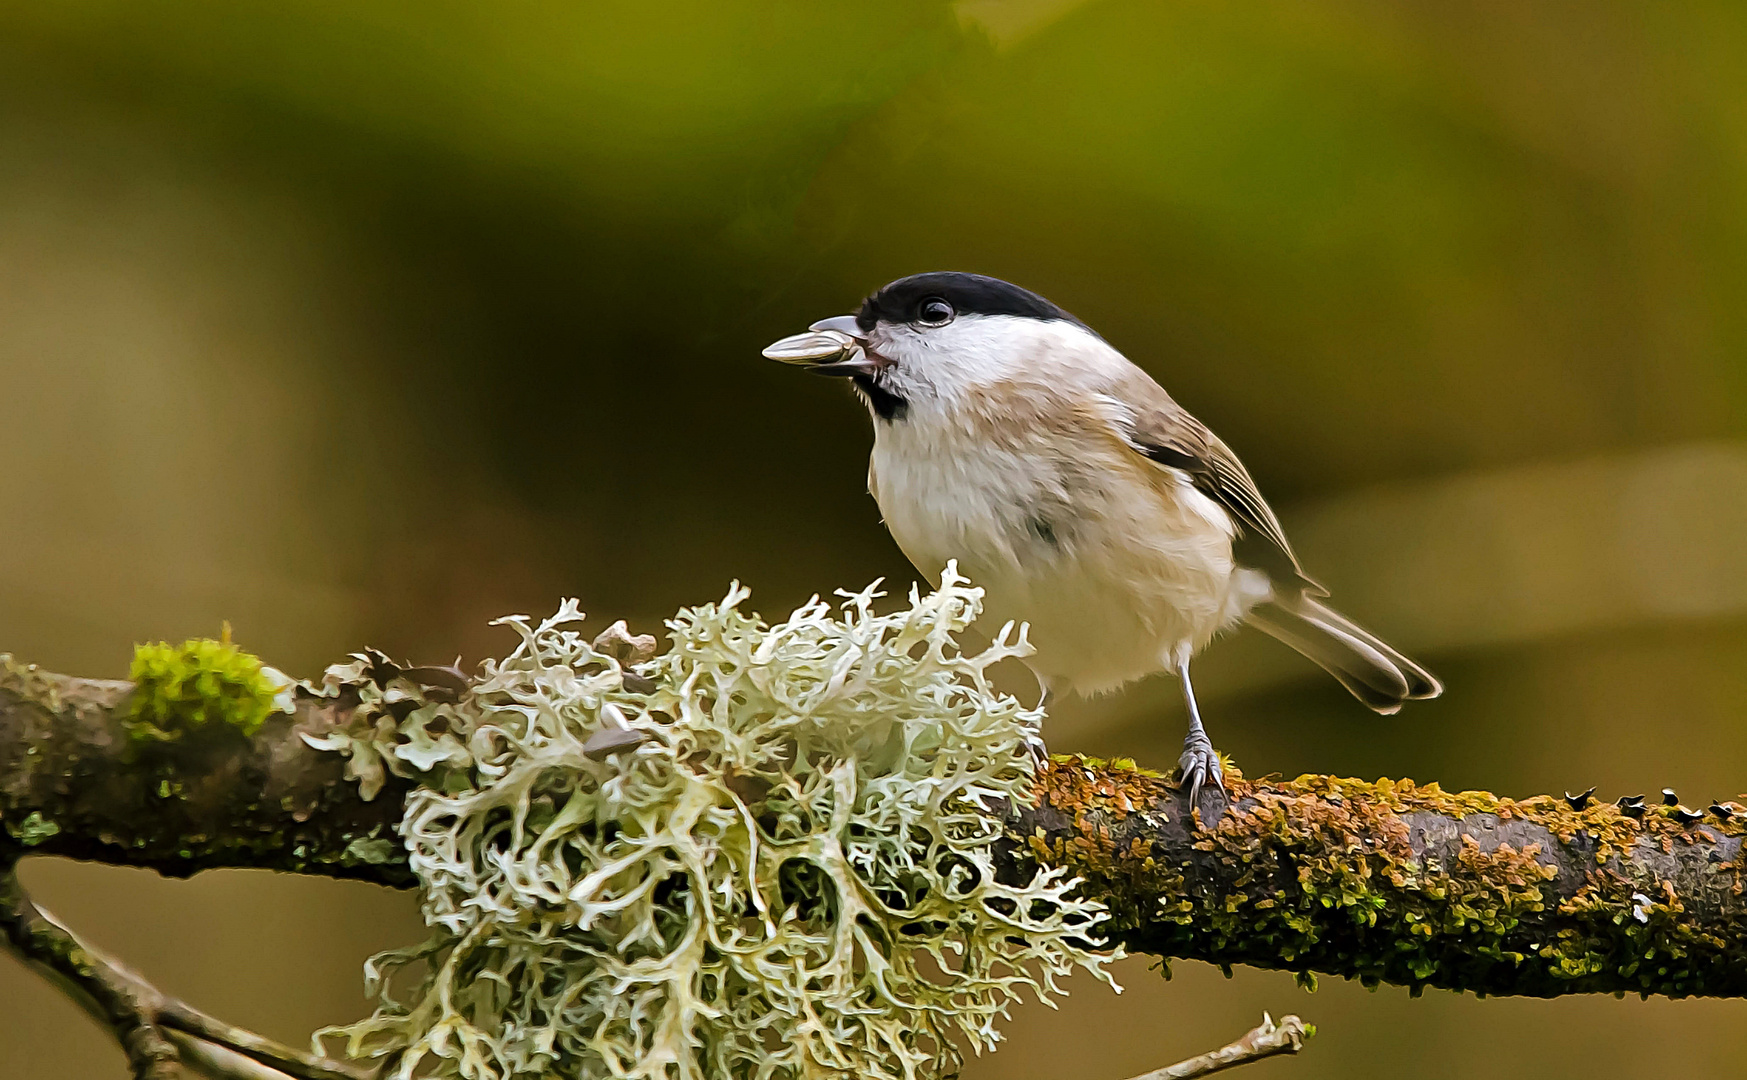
column 76, row 781
column 201, row 682
column 1394, row 882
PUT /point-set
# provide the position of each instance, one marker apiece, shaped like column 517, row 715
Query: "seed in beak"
column 812, row 347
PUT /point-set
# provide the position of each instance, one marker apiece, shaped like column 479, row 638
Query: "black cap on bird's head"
column 908, row 300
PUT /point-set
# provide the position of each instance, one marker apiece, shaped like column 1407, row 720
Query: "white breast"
column 1120, row 570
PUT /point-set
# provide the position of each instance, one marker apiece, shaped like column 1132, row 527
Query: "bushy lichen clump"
column 181, row 688
column 767, row 853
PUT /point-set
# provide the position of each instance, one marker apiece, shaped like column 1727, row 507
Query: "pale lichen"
column 778, row 862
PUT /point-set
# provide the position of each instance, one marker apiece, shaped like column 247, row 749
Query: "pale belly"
column 1113, row 589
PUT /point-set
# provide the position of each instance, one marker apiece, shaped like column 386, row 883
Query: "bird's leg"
column 1200, row 764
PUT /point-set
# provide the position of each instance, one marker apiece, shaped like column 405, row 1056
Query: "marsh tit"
column 1011, row 437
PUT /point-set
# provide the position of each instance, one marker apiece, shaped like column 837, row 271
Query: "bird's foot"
column 1203, row 777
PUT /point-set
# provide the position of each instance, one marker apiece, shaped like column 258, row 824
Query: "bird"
column 1085, row 502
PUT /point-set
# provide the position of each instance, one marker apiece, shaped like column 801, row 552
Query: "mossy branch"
column 1392, row 882
column 1383, row 882
column 76, row 780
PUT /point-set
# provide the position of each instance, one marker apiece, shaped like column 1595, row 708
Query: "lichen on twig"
column 784, row 869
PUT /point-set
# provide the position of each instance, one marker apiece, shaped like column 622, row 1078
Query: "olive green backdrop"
column 363, row 323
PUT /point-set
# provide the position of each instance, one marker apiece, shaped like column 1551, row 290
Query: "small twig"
column 163, row 1038
column 1264, row 1041
column 110, row 1000
column 211, row 1060
column 191, row 1024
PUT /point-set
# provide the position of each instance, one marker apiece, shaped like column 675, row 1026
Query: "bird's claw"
column 1200, row 769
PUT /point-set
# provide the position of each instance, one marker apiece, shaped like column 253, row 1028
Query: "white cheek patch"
column 952, row 362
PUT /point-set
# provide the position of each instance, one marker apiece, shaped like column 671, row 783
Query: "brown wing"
column 1163, row 431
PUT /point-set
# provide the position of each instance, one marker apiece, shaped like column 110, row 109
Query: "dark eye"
column 934, row 312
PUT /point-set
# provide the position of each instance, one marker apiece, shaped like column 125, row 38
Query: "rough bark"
column 1393, row 882
column 74, row 782
column 1384, row 882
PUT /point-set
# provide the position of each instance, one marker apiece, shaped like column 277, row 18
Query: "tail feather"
column 1367, row 666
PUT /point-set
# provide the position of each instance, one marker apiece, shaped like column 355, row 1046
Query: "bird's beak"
column 841, row 324
column 829, row 347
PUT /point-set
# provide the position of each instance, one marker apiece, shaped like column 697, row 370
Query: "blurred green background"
column 367, row 322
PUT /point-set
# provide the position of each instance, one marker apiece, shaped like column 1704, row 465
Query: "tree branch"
column 163, row 1038
column 1385, row 882
column 75, row 782
column 1393, row 882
